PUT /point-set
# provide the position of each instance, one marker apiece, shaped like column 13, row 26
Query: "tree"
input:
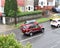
column 11, row 9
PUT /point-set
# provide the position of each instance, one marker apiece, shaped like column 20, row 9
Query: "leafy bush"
column 28, row 13
column 19, row 13
column 8, row 41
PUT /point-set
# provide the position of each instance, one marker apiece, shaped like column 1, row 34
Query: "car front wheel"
column 50, row 19
column 31, row 34
column 58, row 26
column 42, row 30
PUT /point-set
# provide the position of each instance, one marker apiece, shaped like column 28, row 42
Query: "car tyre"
column 58, row 26
column 24, row 34
column 50, row 19
column 42, row 30
column 31, row 34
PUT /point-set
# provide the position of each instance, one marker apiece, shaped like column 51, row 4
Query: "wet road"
column 49, row 39
column 19, row 34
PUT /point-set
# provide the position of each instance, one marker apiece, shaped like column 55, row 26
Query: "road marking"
column 31, row 38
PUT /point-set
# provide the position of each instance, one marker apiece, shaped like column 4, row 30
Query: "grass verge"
column 40, row 20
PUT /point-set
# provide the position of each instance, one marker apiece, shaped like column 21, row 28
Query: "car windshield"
column 34, row 26
column 53, row 20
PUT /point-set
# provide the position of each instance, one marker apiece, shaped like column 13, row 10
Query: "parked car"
column 56, row 9
column 53, row 16
column 55, row 22
column 31, row 27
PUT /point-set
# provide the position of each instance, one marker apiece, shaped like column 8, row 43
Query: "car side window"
column 34, row 26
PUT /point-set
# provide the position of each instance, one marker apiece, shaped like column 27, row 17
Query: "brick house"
column 45, row 4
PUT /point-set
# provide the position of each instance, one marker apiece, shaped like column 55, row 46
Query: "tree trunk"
column 15, row 21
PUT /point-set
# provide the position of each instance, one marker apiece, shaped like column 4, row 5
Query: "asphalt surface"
column 49, row 39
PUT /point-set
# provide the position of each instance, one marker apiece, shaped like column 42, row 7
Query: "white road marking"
column 30, row 38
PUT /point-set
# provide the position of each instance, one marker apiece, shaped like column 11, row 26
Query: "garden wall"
column 10, row 20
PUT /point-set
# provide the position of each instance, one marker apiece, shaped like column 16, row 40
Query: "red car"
column 31, row 27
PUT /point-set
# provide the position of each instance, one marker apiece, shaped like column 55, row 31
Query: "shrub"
column 8, row 41
column 28, row 13
column 19, row 13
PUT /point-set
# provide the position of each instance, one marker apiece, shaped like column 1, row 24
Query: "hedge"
column 28, row 13
column 20, row 14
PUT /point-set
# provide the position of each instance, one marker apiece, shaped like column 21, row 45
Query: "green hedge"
column 19, row 14
column 28, row 13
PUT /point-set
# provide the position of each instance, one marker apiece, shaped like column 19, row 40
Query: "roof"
column 20, row 2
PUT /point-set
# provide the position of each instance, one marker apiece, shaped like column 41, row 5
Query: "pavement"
column 5, row 28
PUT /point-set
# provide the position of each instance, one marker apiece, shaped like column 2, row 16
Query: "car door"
column 35, row 28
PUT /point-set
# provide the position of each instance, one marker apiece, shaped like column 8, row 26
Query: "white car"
column 55, row 22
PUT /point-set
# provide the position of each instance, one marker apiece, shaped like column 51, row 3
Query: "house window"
column 42, row 3
column 50, row 3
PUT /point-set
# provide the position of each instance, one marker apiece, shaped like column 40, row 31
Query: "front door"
column 29, row 8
